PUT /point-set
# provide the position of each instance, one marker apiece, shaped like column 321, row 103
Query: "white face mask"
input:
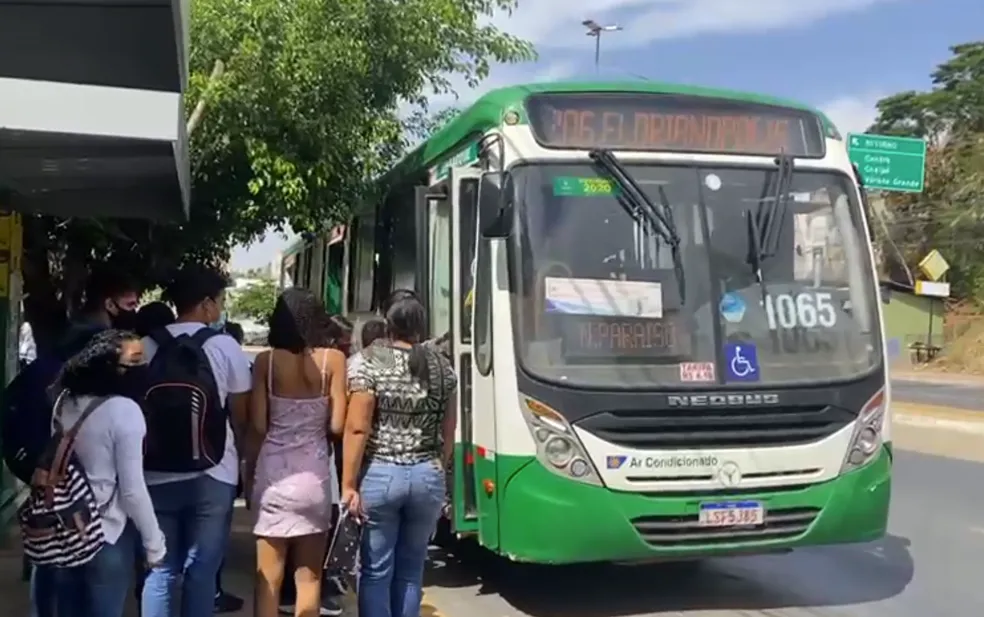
column 219, row 324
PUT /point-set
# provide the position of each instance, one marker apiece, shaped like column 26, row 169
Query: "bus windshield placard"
column 672, row 123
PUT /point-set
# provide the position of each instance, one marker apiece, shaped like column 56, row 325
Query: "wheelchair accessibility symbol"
column 741, row 362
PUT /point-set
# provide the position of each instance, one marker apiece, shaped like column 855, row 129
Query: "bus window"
column 467, row 215
column 483, row 307
column 299, row 280
column 308, row 267
column 362, row 258
column 440, row 268
column 293, row 271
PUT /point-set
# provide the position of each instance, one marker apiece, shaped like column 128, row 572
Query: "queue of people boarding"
column 139, row 430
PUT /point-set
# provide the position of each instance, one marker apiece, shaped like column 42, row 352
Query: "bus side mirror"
column 496, row 212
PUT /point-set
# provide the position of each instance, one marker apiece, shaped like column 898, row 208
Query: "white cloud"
column 502, row 75
column 645, row 21
column 853, row 114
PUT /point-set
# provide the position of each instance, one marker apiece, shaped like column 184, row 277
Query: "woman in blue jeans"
column 399, row 433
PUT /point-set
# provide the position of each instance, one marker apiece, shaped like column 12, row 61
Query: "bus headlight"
column 867, row 437
column 558, row 451
column 557, row 447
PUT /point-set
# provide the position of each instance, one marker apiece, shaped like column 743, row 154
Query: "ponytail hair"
column 406, row 321
column 417, row 363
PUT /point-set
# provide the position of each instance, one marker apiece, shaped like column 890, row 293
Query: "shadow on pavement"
column 816, row 577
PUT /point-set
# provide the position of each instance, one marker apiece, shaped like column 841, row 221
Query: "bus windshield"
column 598, row 301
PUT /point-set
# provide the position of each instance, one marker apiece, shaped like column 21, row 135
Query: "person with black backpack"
column 110, row 299
column 88, row 503
column 195, row 403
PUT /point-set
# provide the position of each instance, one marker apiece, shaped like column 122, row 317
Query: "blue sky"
column 838, row 55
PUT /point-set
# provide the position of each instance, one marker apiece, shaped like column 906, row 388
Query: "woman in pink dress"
column 298, row 400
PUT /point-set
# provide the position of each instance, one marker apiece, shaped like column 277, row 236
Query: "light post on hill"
column 595, row 29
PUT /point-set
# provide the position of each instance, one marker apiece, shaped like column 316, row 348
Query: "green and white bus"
column 663, row 309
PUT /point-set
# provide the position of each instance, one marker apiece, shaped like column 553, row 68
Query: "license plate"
column 731, row 514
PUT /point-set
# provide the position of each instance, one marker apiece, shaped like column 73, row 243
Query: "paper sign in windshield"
column 697, row 371
column 609, row 297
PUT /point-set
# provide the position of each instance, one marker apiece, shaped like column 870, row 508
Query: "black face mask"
column 124, row 320
column 133, row 381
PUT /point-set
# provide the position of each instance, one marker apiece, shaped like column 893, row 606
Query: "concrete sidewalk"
column 237, row 577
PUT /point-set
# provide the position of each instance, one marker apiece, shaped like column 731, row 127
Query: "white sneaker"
column 286, row 609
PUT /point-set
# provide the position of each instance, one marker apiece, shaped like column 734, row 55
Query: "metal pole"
column 929, row 335
column 595, row 29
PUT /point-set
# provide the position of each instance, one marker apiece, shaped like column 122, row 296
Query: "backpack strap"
column 161, row 336
column 66, row 446
column 202, row 336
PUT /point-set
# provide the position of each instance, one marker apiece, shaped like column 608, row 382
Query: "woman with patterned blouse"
column 399, row 434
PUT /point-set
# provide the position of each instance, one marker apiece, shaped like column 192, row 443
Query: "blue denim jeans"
column 44, row 587
column 402, row 504
column 100, row 587
column 193, row 514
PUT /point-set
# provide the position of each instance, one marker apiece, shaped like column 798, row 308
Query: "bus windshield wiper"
column 664, row 203
column 765, row 226
column 661, row 222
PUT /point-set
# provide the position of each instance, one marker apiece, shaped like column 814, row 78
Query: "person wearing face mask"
column 110, row 299
column 92, row 397
column 195, row 507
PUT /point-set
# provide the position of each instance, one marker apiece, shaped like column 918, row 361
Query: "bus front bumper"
column 548, row 519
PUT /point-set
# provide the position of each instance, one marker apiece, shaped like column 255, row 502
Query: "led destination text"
column 677, row 132
column 671, row 123
column 598, row 336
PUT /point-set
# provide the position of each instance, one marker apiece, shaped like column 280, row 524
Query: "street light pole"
column 595, row 29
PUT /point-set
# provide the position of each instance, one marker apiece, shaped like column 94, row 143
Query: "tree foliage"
column 312, row 105
column 949, row 214
column 422, row 123
column 307, row 112
column 255, row 301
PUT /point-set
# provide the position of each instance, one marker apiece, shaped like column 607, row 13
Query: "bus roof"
column 488, row 110
column 296, row 246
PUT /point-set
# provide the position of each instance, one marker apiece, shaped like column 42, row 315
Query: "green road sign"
column 889, row 163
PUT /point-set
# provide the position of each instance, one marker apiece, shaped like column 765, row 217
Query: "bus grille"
column 668, row 429
column 681, row 531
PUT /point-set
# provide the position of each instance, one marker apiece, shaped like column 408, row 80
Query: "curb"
column 937, row 377
column 938, row 417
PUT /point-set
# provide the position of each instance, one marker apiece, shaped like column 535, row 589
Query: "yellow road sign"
column 933, row 265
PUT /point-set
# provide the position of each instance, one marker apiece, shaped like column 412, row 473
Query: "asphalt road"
column 928, row 565
column 957, row 395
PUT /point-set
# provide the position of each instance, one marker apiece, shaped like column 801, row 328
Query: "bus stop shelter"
column 92, row 125
column 91, row 108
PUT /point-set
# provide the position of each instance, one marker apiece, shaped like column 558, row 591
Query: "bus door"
column 432, row 277
column 483, row 380
column 474, row 445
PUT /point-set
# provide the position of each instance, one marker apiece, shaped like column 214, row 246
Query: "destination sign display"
column 672, row 123
column 598, row 336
